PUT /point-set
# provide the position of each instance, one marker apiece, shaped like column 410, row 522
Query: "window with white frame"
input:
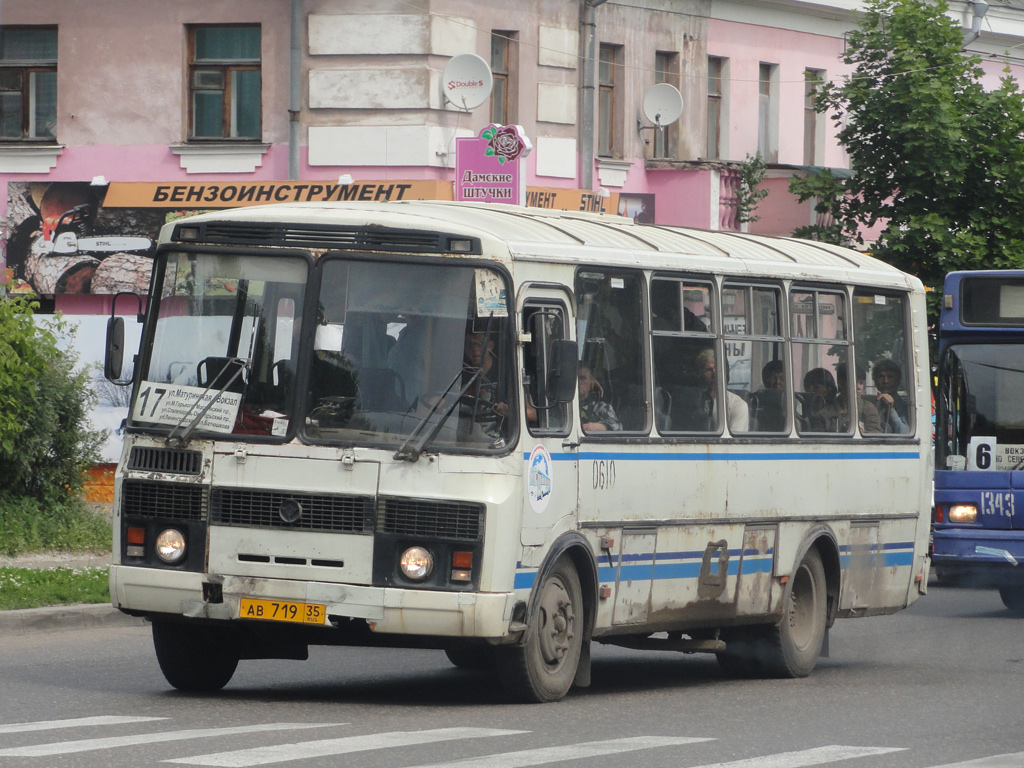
column 28, row 83
column 225, row 82
column 503, row 68
column 813, row 120
column 666, row 70
column 716, row 68
column 609, row 77
column 767, row 113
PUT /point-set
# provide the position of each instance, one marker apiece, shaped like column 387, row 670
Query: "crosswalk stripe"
column 243, row 758
column 1014, row 760
column 78, row 722
column 816, row 756
column 546, row 755
column 91, row 745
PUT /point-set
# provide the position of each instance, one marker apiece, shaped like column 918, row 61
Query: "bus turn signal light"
column 136, row 540
column 462, row 566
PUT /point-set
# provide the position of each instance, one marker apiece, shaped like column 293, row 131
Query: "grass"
column 31, row 588
column 28, row 526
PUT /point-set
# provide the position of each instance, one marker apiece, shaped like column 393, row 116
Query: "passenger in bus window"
column 892, row 408
column 736, row 412
column 769, row 410
column 822, row 409
column 868, row 419
column 595, row 414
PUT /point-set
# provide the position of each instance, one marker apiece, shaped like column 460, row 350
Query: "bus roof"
column 536, row 234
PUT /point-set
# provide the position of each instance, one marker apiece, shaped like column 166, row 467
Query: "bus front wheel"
column 195, row 658
column 543, row 668
column 1013, row 598
column 793, row 645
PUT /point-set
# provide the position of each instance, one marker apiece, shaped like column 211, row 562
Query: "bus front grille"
column 302, row 512
column 181, row 501
column 165, row 460
column 439, row 519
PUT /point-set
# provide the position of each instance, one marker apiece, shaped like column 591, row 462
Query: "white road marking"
column 91, row 745
column 78, row 722
column 547, row 755
column 1013, row 760
column 281, row 753
column 816, row 756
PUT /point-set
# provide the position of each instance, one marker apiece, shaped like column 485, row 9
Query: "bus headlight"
column 170, row 546
column 416, row 563
column 963, row 513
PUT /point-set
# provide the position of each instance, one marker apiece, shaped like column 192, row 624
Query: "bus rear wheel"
column 793, row 645
column 195, row 658
column 543, row 668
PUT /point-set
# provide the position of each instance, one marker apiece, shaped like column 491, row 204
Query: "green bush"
column 46, row 443
column 27, row 525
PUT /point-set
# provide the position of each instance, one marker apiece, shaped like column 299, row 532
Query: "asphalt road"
column 937, row 685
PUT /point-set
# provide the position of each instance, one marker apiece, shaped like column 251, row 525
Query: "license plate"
column 282, row 610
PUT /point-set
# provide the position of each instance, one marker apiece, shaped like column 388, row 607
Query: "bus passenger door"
column 549, row 446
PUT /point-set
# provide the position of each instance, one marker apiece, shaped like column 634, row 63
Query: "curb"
column 65, row 618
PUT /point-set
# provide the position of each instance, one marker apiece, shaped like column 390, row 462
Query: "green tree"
column 936, row 159
column 46, row 443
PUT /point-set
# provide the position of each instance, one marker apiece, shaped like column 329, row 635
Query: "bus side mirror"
column 562, row 372
column 113, row 359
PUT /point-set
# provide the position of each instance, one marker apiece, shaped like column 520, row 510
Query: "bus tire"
column 1013, row 598
column 543, row 668
column 793, row 645
column 470, row 655
column 199, row 658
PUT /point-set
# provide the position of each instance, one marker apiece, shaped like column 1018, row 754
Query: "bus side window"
column 611, row 334
column 821, row 380
column 545, row 323
column 882, row 357
column 755, row 353
column 683, row 349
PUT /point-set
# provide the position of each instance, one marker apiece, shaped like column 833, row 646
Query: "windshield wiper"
column 404, row 453
column 240, row 365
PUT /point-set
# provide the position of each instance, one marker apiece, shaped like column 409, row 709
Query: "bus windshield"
column 981, row 386
column 409, row 356
column 222, row 350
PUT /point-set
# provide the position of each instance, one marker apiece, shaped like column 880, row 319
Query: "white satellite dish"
column 467, row 81
column 663, row 104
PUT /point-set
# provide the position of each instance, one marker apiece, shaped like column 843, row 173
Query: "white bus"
column 497, row 431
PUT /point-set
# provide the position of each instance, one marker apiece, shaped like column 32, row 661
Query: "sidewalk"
column 62, row 618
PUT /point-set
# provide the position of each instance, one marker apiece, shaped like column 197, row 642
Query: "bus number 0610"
column 604, row 475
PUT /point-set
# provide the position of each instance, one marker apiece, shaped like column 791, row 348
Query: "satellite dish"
column 467, row 81
column 663, row 104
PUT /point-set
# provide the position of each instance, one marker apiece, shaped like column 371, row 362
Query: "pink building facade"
column 353, row 91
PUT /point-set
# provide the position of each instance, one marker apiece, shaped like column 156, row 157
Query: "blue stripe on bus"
column 661, row 570
column 800, row 456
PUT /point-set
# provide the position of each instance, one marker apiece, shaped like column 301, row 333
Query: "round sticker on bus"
column 539, row 482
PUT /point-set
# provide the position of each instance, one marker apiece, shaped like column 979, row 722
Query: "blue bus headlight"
column 963, row 513
column 416, row 563
column 170, row 546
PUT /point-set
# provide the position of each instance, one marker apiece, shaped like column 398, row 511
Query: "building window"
column 715, row 73
column 609, row 77
column 28, row 83
column 767, row 114
column 503, row 67
column 224, row 83
column 666, row 70
column 813, row 121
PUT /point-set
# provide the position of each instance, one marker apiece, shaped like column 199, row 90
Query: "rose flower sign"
column 487, row 168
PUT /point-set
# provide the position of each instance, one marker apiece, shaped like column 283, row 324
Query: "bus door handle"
column 569, row 445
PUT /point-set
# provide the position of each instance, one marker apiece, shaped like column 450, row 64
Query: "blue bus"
column 978, row 529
